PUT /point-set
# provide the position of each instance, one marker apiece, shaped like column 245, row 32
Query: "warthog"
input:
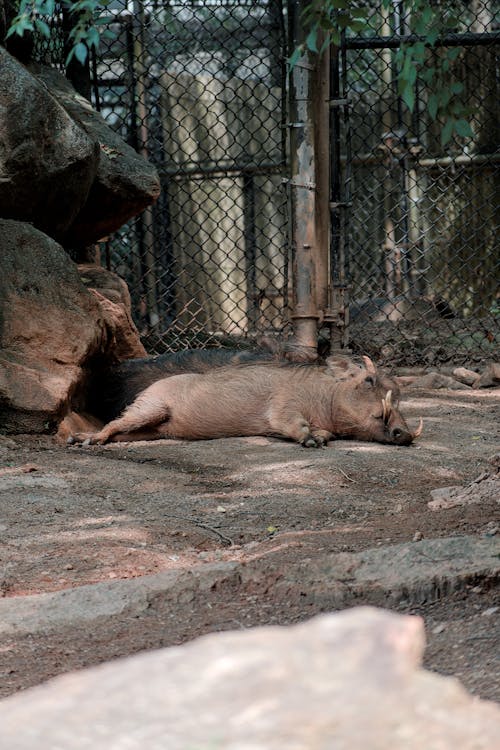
column 304, row 403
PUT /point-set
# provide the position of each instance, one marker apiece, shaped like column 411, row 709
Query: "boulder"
column 348, row 681
column 56, row 320
column 125, row 182
column 47, row 160
column 50, row 325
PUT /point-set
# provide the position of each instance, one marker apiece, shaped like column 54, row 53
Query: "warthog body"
column 304, row 403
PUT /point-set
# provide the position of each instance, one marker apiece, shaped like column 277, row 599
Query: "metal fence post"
column 302, row 193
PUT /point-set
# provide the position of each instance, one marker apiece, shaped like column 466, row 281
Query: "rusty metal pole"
column 302, row 194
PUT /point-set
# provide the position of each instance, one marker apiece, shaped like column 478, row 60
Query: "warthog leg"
column 296, row 427
column 321, row 436
column 141, row 417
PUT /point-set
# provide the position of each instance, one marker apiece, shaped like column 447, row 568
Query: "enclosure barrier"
column 405, row 262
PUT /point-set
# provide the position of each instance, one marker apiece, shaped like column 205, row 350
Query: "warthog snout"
column 398, row 436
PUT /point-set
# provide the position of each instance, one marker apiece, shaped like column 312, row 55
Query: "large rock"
column 125, row 183
column 50, row 326
column 47, row 161
column 56, row 321
column 348, row 681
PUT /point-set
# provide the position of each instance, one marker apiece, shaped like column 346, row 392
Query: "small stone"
column 490, row 611
column 69, row 566
column 495, row 460
column 418, row 536
column 463, row 375
column 492, row 529
column 438, row 628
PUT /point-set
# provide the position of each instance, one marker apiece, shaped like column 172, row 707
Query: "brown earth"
column 71, row 516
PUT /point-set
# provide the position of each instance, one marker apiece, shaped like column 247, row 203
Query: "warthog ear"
column 371, row 371
column 342, row 368
column 369, row 366
column 340, row 363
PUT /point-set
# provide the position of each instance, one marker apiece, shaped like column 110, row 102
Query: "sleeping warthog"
column 304, row 403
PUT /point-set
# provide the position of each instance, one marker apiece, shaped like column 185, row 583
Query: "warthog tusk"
column 387, row 406
column 419, row 429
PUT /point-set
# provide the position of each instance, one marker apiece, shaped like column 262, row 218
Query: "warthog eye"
column 370, row 380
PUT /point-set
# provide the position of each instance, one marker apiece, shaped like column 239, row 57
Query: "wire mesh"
column 197, row 88
column 423, row 260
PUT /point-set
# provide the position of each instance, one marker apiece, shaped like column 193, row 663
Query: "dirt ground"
column 71, row 516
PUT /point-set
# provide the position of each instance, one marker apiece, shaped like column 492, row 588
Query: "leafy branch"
column 418, row 59
column 85, row 15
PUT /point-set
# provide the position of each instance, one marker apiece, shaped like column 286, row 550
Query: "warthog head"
column 365, row 406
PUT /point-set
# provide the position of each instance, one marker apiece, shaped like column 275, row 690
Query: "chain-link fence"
column 200, row 88
column 422, row 249
column 197, row 87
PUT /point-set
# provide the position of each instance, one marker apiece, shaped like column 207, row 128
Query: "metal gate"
column 417, row 235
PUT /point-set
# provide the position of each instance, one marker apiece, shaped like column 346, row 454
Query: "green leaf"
column 432, row 37
column 447, row 131
column 22, row 25
column 428, row 74
column 336, row 37
column 343, row 20
column 432, row 106
column 408, row 95
column 295, row 57
column 443, row 97
column 102, row 20
column 463, row 129
column 81, row 52
column 311, row 39
column 42, row 27
column 427, row 15
column 412, row 75
column 93, row 37
column 358, row 26
column 360, row 12
column 453, row 54
column 419, row 52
